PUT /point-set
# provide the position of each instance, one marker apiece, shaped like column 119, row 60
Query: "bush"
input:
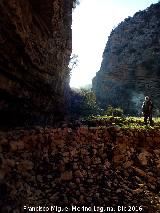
column 114, row 111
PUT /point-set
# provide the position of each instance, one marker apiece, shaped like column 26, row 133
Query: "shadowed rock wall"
column 35, row 39
column 130, row 67
column 96, row 166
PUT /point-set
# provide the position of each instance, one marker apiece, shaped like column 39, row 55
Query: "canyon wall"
column 96, row 166
column 130, row 68
column 36, row 43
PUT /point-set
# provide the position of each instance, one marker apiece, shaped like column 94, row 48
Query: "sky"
column 92, row 23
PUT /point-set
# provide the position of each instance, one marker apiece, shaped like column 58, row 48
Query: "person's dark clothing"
column 147, row 111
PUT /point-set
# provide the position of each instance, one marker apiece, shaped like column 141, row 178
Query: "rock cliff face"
column 130, row 67
column 35, row 39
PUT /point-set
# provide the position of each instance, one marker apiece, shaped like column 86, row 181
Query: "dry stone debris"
column 89, row 172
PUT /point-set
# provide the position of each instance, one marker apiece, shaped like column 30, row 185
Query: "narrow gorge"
column 97, row 166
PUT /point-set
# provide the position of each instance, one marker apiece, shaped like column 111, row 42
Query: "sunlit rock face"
column 35, row 39
column 130, row 67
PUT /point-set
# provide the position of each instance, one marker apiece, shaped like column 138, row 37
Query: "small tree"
column 89, row 105
column 75, row 3
column 83, row 103
column 73, row 63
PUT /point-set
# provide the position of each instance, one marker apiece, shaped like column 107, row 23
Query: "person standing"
column 147, row 108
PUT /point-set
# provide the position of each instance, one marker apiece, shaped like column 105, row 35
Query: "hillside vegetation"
column 122, row 122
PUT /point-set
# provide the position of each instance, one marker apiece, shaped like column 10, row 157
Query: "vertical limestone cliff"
column 130, row 67
column 36, row 43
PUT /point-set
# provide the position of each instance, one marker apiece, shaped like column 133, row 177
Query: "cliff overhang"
column 36, row 43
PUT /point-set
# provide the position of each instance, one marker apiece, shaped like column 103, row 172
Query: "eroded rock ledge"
column 35, row 39
column 96, row 166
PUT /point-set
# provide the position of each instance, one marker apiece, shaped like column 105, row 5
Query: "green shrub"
column 114, row 111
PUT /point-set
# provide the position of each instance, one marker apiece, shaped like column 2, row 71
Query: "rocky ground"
column 86, row 166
